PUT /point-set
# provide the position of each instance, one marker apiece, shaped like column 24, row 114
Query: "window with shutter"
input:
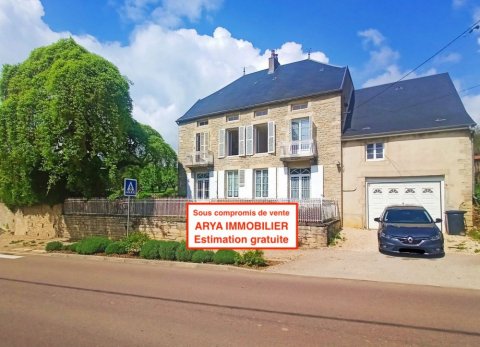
column 271, row 137
column 221, row 143
column 249, row 139
column 241, row 178
column 241, row 141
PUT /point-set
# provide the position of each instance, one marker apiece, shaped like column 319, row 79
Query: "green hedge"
column 225, row 256
column 73, row 247
column 118, row 247
column 253, row 258
column 201, row 256
column 54, row 246
column 135, row 241
column 182, row 253
column 150, row 249
column 167, row 250
column 93, row 245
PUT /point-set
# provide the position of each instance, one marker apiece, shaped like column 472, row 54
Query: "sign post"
column 129, row 189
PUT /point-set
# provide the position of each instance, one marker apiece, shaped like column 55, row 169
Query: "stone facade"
column 325, row 112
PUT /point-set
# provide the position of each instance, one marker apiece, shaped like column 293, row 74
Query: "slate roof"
column 416, row 105
column 288, row 82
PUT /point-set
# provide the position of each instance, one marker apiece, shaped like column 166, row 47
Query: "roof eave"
column 333, row 91
column 407, row 132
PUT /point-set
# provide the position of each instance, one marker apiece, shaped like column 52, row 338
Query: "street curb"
column 164, row 263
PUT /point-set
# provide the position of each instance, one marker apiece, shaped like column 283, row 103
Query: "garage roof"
column 420, row 104
column 288, row 82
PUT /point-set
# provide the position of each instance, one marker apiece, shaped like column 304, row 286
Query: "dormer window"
column 300, row 106
column 260, row 113
column 233, row 118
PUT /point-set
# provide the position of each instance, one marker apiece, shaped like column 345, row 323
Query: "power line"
column 469, row 30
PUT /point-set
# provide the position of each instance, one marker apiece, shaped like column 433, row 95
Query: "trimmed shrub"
column 73, row 247
column 117, row 247
column 225, row 256
column 254, row 258
column 150, row 249
column 135, row 241
column 167, row 250
column 54, row 246
column 182, row 253
column 201, row 256
column 93, row 245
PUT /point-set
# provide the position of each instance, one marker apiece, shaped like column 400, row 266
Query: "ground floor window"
column 300, row 183
column 202, row 186
column 232, row 183
column 261, row 183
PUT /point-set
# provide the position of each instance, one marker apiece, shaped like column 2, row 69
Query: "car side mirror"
column 438, row 220
column 377, row 220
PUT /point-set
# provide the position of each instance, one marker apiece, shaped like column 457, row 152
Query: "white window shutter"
column 271, row 137
column 310, row 123
column 249, row 139
column 207, row 141
column 221, row 143
column 241, row 178
column 241, row 140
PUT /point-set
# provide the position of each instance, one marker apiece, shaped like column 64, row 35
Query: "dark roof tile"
column 288, row 82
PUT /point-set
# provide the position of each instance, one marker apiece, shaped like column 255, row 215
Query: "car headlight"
column 383, row 234
column 436, row 237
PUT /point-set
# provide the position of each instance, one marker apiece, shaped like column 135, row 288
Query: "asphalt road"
column 58, row 301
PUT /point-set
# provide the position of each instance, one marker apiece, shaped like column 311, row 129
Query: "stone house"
column 302, row 131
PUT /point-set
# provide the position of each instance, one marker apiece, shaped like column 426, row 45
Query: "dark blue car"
column 409, row 229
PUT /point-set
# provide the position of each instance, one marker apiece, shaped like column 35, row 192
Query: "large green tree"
column 66, row 127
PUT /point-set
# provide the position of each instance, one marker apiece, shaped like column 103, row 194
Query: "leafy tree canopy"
column 66, row 128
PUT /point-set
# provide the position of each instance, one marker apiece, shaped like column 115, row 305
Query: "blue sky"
column 176, row 51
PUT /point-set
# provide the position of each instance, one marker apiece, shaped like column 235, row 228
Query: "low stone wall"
column 115, row 227
column 49, row 222
column 40, row 221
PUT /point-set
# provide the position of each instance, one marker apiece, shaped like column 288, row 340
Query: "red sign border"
column 245, row 203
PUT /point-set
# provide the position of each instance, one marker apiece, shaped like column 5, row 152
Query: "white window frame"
column 300, row 175
column 232, row 184
column 263, row 193
column 232, row 118
column 228, row 142
column 261, row 113
column 376, row 151
column 202, row 179
column 299, row 106
column 202, row 122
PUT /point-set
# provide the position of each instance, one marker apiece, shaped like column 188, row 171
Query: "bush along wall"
column 140, row 245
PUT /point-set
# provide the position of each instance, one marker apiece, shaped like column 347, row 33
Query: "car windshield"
column 407, row 216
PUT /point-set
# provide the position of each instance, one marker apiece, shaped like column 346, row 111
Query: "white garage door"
column 382, row 194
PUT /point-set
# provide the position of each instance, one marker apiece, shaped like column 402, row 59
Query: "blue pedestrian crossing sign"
column 130, row 187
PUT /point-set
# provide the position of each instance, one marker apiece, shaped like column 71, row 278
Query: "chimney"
column 273, row 62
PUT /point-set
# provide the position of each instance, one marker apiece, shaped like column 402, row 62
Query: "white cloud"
column 170, row 69
column 458, row 3
column 448, row 58
column 371, row 36
column 168, row 13
column 472, row 105
column 382, row 66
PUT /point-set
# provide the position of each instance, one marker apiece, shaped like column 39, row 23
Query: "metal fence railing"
column 309, row 211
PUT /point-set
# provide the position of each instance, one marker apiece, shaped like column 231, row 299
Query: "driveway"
column 357, row 257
